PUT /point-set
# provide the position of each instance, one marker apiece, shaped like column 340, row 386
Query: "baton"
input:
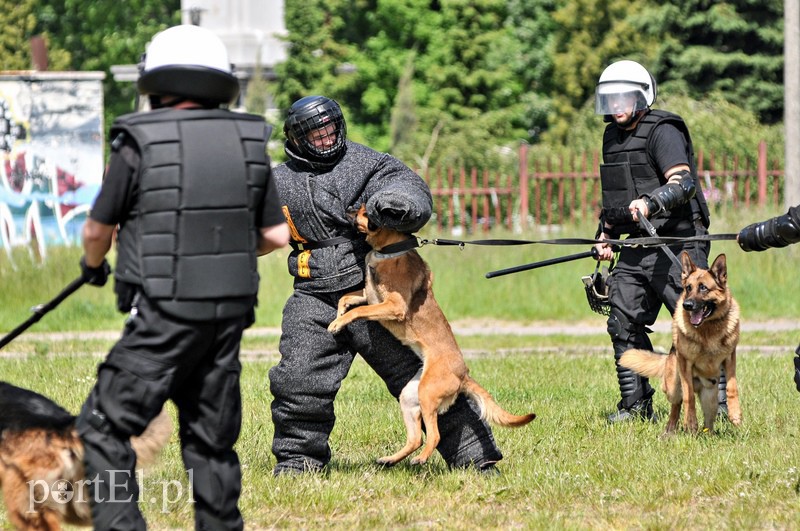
column 543, row 263
column 41, row 309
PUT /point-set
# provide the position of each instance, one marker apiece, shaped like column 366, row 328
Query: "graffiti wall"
column 51, row 144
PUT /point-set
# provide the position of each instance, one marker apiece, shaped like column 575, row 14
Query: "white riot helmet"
column 189, row 62
column 624, row 86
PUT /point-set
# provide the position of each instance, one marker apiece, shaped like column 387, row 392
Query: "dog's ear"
column 687, row 266
column 720, row 270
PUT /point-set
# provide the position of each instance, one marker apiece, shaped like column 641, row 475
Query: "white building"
column 251, row 29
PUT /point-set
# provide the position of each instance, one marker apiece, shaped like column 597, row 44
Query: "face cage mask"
column 313, row 126
column 597, row 290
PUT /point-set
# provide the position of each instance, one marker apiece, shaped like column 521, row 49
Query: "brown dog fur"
column 399, row 295
column 705, row 333
column 46, row 456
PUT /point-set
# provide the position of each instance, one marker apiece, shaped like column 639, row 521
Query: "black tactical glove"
column 96, row 276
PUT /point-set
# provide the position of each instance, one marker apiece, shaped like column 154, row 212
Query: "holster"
column 125, row 294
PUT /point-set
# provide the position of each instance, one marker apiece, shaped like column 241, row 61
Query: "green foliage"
column 17, row 20
column 734, row 48
column 591, row 35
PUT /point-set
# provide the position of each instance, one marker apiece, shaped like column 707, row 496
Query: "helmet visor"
column 619, row 98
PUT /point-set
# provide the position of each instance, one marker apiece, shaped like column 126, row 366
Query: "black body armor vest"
column 629, row 172
column 202, row 174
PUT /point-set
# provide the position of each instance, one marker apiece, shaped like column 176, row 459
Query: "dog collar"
column 398, row 249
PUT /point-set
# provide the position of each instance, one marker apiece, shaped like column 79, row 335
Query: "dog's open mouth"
column 696, row 317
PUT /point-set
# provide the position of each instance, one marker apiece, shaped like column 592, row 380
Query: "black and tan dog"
column 41, row 460
column 705, row 333
column 398, row 294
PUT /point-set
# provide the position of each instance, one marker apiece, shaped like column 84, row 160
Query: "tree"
column 591, row 35
column 18, row 21
column 734, row 48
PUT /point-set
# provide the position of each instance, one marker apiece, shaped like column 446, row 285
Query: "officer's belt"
column 307, row 246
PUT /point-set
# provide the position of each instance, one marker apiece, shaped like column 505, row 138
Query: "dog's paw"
column 336, row 326
column 418, row 461
column 386, row 461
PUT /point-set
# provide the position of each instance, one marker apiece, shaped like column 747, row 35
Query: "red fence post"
column 762, row 173
column 523, row 185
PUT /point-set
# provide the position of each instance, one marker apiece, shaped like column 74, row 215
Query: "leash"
column 651, row 230
column 646, row 241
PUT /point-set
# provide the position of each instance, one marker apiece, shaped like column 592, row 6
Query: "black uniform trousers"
column 196, row 365
column 310, row 372
column 644, row 279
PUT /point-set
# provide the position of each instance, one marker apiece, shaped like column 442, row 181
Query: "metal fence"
column 567, row 190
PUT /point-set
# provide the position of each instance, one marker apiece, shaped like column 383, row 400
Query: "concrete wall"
column 51, row 145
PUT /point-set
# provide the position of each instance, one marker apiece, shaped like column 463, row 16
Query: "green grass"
column 568, row 469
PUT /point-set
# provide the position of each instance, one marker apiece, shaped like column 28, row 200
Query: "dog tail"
column 491, row 410
column 149, row 444
column 644, row 362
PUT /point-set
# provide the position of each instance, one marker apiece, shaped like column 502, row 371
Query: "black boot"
column 642, row 409
column 637, row 396
column 722, row 410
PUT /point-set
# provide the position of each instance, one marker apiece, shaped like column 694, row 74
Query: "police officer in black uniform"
column 190, row 189
column 779, row 231
column 325, row 176
column 648, row 171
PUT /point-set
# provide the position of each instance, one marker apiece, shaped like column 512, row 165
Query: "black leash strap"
column 306, row 246
column 648, row 241
column 40, row 310
column 651, row 230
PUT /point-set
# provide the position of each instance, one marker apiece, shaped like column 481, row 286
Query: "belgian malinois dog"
column 41, row 460
column 705, row 333
column 398, row 293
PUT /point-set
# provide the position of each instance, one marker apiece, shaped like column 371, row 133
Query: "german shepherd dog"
column 398, row 294
column 41, row 460
column 705, row 332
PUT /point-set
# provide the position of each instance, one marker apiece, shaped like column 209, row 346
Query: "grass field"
column 567, row 470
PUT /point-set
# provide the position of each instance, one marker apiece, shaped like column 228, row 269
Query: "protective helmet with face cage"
column 311, row 114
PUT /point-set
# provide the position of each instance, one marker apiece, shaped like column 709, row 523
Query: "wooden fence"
column 568, row 190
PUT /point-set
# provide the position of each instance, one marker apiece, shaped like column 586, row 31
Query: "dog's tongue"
column 696, row 318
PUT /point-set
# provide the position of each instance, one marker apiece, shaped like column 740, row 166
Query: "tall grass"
column 765, row 284
column 567, row 470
